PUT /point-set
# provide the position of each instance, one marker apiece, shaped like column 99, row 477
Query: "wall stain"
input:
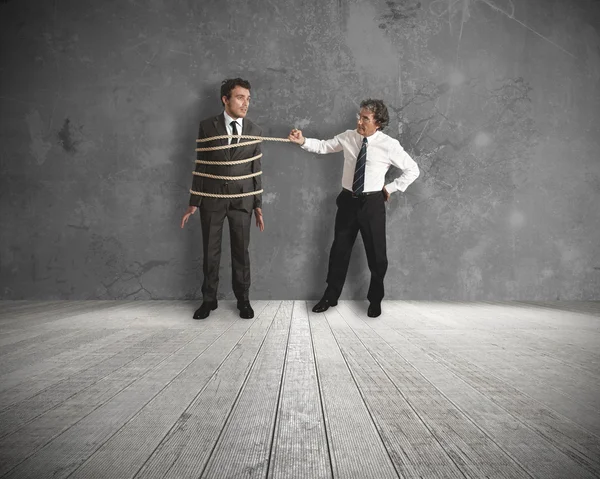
column 399, row 11
column 65, row 137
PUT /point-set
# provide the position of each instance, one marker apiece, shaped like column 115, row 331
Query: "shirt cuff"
column 305, row 145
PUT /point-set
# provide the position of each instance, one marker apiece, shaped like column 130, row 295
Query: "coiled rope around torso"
column 255, row 139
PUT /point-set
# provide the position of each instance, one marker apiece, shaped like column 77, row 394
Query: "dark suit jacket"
column 215, row 126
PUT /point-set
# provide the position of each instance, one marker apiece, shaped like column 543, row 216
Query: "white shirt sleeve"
column 322, row 146
column 410, row 169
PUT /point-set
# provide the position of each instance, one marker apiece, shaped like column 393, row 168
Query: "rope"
column 237, row 162
column 226, row 147
column 250, row 137
column 255, row 139
column 232, row 178
column 214, row 195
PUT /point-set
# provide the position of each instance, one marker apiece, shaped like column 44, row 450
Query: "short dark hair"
column 379, row 110
column 228, row 85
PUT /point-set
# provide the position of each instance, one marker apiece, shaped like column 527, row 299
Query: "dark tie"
column 234, row 129
column 358, row 185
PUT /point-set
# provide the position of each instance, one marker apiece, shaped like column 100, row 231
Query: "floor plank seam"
column 321, row 402
column 277, row 406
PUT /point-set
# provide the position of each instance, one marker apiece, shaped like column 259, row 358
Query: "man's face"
column 366, row 124
column 237, row 105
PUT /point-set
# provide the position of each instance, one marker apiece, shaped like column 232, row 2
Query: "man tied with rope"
column 227, row 184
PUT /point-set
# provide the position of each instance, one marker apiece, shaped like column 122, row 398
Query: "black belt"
column 360, row 195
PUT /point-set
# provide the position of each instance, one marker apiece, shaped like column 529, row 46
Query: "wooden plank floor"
column 124, row 389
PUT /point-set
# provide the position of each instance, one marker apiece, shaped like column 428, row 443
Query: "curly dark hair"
column 228, row 85
column 379, row 110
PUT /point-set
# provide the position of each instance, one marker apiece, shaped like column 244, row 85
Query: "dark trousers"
column 212, row 232
column 367, row 215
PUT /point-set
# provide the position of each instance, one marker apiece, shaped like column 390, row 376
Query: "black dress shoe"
column 374, row 310
column 204, row 310
column 246, row 311
column 324, row 305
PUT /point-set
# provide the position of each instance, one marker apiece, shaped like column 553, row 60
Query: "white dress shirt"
column 382, row 152
column 228, row 120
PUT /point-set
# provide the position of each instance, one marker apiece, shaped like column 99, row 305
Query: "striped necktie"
column 358, row 185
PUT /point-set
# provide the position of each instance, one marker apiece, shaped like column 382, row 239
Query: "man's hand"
column 386, row 195
column 259, row 219
column 295, row 136
column 189, row 212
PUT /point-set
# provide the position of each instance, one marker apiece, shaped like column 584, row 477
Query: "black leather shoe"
column 204, row 310
column 246, row 311
column 324, row 305
column 374, row 310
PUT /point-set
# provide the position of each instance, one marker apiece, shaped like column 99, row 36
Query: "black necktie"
column 234, row 129
column 358, row 185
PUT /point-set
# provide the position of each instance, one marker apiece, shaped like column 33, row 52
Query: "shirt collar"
column 369, row 138
column 228, row 120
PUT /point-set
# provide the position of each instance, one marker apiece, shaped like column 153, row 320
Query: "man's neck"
column 233, row 117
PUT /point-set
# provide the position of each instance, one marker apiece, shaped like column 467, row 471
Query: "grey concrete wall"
column 497, row 100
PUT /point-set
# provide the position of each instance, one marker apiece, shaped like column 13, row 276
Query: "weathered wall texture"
column 497, row 100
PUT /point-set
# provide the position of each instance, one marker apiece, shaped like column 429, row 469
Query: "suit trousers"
column 367, row 215
column 239, row 232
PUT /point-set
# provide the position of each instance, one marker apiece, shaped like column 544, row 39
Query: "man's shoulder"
column 347, row 134
column 208, row 126
column 251, row 126
column 211, row 119
column 388, row 140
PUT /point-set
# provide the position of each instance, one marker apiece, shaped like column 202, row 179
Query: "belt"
column 360, row 195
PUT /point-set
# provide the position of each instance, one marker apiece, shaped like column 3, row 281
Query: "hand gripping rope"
column 255, row 139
